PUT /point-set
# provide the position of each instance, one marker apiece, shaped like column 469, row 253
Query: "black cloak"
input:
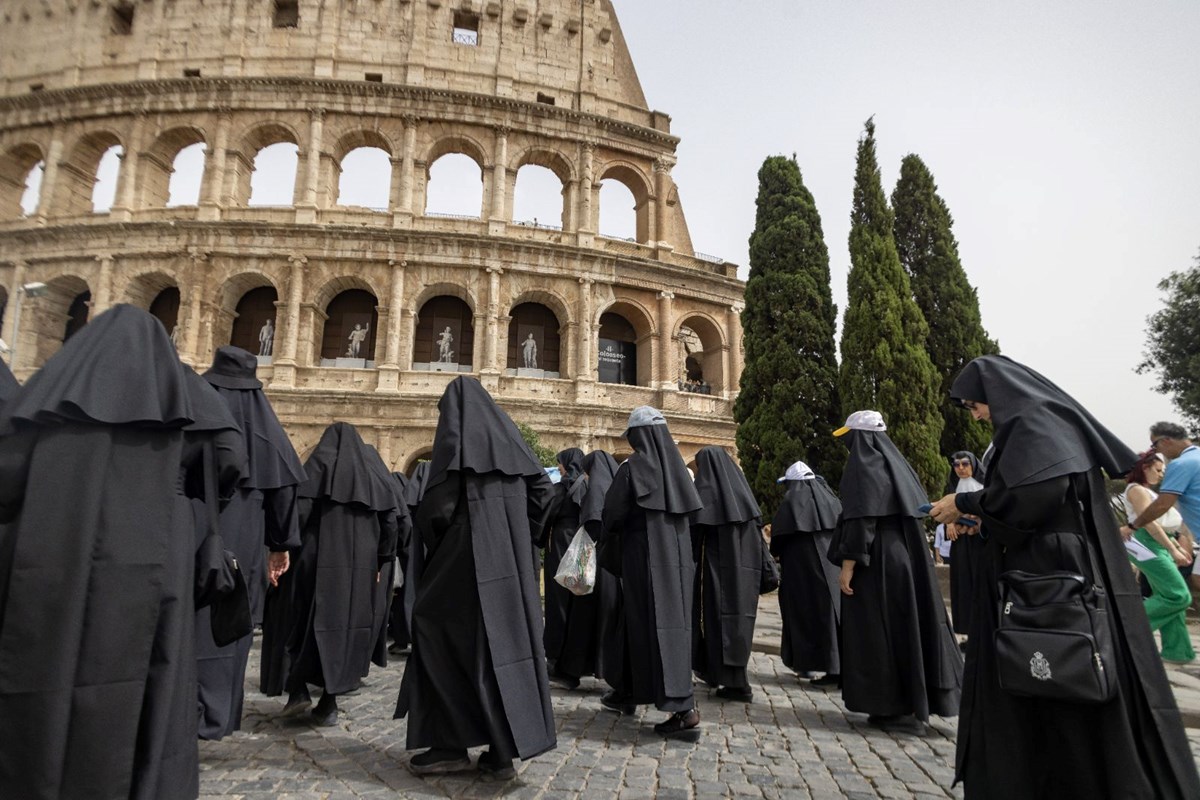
column 8, row 385
column 606, row 656
column 899, row 654
column 477, row 672
column 728, row 548
column 261, row 516
column 964, row 555
column 97, row 567
column 1048, row 451
column 647, row 509
column 397, row 627
column 414, row 490
column 564, row 522
column 810, row 601
column 349, row 527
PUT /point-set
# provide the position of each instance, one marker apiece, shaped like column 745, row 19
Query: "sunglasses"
column 1154, row 444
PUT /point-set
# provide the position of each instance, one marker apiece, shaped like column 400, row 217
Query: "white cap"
column 643, row 416
column 798, row 472
column 862, row 421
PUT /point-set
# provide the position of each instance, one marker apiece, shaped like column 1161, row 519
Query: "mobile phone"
column 925, row 509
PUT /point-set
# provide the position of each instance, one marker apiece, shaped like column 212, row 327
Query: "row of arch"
column 345, row 329
column 264, row 168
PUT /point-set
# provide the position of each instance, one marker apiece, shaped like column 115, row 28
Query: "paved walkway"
column 790, row 742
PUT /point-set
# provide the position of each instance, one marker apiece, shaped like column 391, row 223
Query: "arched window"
column 366, row 179
column 165, row 308
column 104, row 192
column 350, row 327
column 187, row 172
column 273, row 181
column 32, row 194
column 618, row 211
column 618, row 350
column 77, row 314
column 701, row 357
column 445, row 336
column 52, row 317
column 421, row 455
column 254, row 325
column 455, row 187
column 533, row 345
column 537, row 198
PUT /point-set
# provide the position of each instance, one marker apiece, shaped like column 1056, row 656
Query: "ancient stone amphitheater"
column 362, row 310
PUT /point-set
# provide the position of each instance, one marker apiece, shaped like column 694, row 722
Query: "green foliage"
column 788, row 405
column 1173, row 342
column 544, row 454
column 929, row 254
column 884, row 363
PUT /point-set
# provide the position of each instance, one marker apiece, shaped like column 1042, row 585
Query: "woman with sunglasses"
column 1045, row 510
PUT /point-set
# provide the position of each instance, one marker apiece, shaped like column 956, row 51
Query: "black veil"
column 723, row 490
column 878, row 481
column 659, row 476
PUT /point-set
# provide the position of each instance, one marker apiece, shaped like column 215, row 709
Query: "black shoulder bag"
column 769, row 581
column 1054, row 637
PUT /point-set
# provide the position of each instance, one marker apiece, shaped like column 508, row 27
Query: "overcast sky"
column 1064, row 136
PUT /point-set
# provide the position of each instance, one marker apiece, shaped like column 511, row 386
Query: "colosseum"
column 362, row 309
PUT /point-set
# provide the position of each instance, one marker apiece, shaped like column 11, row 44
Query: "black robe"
column 899, row 654
column 97, row 567
column 1048, row 452
column 564, row 522
column 260, row 517
column 810, row 601
column 349, row 527
column 397, row 625
column 477, row 672
column 965, row 552
column 8, row 384
column 647, row 511
column 728, row 548
column 606, row 655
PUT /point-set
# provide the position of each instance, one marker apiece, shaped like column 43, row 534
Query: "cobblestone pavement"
column 792, row 741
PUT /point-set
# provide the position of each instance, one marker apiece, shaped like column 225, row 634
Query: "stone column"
column 306, row 209
column 10, row 331
column 499, row 219
column 570, row 195
column 404, row 201
column 383, row 443
column 733, row 372
column 662, row 189
column 408, row 328
column 50, row 186
column 665, row 369
column 196, row 281
column 491, row 361
column 214, row 171
column 284, row 374
column 481, row 347
column 122, row 210
column 102, row 297
column 585, row 364
column 585, row 215
column 389, row 370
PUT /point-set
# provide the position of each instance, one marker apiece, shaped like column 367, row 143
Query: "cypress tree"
column 788, row 404
column 929, row 254
column 884, row 363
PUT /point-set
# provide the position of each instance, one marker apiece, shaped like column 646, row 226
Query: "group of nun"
column 140, row 502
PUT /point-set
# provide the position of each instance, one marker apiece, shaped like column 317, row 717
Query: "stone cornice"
column 220, row 95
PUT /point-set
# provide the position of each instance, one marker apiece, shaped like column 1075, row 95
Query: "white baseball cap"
column 798, row 472
column 862, row 421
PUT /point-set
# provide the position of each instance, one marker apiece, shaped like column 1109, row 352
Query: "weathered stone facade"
column 417, row 79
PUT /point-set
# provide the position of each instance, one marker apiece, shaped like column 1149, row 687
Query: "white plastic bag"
column 577, row 570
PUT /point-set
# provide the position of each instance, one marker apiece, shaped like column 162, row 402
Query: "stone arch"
column 16, row 166
column 247, row 299
column 343, row 303
column 77, row 173
column 638, row 184
column 436, row 314
column 158, row 179
column 537, row 320
column 53, row 317
column 459, row 143
column 701, row 354
column 440, row 198
column 363, row 170
column 541, row 156
column 423, row 454
column 362, row 137
column 249, row 167
column 433, row 290
column 618, row 344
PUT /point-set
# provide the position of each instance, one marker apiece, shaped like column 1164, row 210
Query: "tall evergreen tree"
column 884, row 363
column 1173, row 342
column 929, row 254
column 788, row 402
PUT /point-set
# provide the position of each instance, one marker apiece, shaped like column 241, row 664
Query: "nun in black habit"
column 647, row 511
column 1048, row 453
column 477, row 671
column 97, row 564
column 261, row 517
column 966, row 475
column 397, row 626
column 810, row 602
column 900, row 660
column 349, row 526
column 564, row 522
column 727, row 544
column 596, row 639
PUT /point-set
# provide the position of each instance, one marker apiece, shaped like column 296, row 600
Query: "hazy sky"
column 1064, row 136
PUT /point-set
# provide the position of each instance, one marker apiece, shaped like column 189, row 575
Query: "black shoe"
column 297, row 704
column 614, row 702
column 326, row 712
column 564, row 681
column 733, row 693
column 683, row 725
column 496, row 769
column 828, row 679
column 900, row 723
column 436, row 761
column 397, row 650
